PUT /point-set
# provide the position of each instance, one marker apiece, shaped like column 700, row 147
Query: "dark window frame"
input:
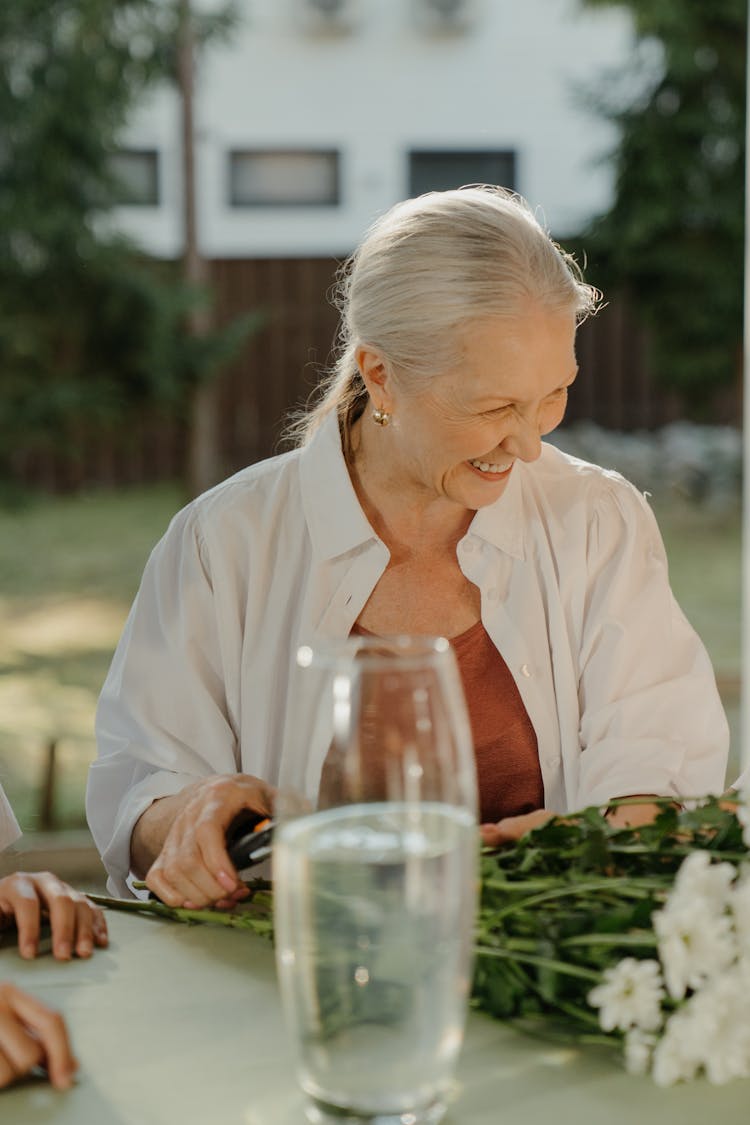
column 153, row 155
column 509, row 155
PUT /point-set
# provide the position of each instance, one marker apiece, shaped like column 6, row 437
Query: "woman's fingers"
column 512, row 828
column 61, row 905
column 31, row 1034
column 77, row 925
column 175, row 885
column 20, row 901
column 20, row 1051
column 101, row 933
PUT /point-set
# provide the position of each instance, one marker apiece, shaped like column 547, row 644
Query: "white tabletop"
column 181, row 1025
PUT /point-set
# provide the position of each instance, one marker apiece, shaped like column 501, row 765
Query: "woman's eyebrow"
column 490, row 401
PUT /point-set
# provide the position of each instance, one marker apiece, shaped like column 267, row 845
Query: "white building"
column 322, row 113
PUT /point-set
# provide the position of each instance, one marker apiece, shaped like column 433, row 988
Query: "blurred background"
column 179, row 182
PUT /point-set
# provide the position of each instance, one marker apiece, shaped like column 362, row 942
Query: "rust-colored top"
column 505, row 746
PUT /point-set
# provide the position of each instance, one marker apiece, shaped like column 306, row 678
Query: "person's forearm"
column 150, row 832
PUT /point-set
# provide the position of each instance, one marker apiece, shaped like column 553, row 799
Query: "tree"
column 674, row 237
column 89, row 328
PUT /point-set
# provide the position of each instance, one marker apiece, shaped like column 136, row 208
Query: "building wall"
column 384, row 84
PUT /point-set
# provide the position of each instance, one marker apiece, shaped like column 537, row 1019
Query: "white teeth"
column 486, row 467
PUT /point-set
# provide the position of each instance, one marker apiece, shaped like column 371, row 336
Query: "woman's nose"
column 525, row 441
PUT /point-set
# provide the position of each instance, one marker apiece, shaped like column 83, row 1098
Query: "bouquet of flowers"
column 635, row 938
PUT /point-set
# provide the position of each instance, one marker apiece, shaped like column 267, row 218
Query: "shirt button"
column 525, row 671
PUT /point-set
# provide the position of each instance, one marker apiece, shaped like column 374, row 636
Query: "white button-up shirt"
column 574, row 594
column 9, row 827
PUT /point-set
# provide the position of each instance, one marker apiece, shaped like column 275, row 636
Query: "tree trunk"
column 204, row 466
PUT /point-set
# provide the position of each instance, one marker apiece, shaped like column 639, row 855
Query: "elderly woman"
column 421, row 499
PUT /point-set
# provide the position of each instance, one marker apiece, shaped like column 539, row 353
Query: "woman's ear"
column 375, row 375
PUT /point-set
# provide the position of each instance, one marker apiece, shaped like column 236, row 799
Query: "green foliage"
column 89, row 328
column 674, row 236
column 573, row 898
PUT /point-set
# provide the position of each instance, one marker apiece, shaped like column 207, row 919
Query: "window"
column 431, row 170
column 445, row 15
column 137, row 175
column 284, row 178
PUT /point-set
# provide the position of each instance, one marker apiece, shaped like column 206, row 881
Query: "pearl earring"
column 381, row 417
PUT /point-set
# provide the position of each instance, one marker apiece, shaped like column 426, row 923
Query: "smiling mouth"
column 495, row 468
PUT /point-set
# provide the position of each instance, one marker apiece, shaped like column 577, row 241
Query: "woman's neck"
column 409, row 522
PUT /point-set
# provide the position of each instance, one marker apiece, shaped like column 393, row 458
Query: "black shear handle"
column 249, row 839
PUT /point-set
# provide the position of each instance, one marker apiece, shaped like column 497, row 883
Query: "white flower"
column 739, row 902
column 721, row 1015
column 701, row 881
column 674, row 1055
column 695, row 944
column 630, row 995
column 639, row 1048
column 711, row 1031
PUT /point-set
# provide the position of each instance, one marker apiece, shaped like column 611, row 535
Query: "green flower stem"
column 550, row 1030
column 643, row 939
column 577, row 1013
column 540, row 962
column 677, row 850
column 242, row 921
column 627, row 887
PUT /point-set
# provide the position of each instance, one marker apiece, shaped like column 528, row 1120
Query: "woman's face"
column 460, row 438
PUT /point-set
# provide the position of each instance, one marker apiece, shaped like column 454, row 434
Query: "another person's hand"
column 193, row 868
column 77, row 924
column 31, row 1034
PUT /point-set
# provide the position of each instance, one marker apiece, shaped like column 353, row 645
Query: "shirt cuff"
column 616, row 770
column 116, row 856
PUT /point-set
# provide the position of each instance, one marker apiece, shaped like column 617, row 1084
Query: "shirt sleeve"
column 162, row 719
column 651, row 716
column 10, row 830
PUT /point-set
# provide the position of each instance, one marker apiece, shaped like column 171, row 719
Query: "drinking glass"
column 375, row 889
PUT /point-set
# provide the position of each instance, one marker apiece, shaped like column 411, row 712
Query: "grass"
column 69, row 569
column 705, row 559
column 704, row 551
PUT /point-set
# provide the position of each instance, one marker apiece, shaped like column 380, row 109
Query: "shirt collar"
column 502, row 523
column 334, row 516
column 337, row 523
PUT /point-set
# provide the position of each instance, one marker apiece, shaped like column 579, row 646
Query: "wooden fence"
column 279, row 367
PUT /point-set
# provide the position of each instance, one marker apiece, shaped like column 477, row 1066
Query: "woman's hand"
column 77, row 925
column 633, row 816
column 192, row 868
column 32, row 1034
column 510, row 829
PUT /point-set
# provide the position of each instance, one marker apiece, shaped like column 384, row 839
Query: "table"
column 181, row 1025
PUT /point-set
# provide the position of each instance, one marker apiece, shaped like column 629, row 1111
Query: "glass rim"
column 408, row 649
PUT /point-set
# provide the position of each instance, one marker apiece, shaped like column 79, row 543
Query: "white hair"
column 424, row 272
